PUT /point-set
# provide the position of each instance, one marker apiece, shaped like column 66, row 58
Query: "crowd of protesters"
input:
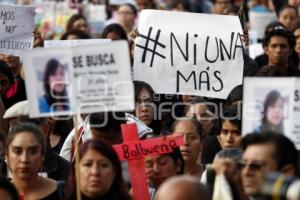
column 216, row 160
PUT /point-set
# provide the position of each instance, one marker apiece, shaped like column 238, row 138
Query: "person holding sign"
column 55, row 97
column 25, row 154
column 100, row 173
column 273, row 114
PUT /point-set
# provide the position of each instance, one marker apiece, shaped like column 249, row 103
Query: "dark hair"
column 27, row 127
column 185, row 4
column 73, row 19
column 132, row 7
column 200, row 101
column 270, row 70
column 51, row 68
column 115, row 28
column 234, row 96
column 211, row 108
column 118, row 188
column 232, row 115
column 138, row 87
column 195, row 123
column 285, row 151
column 6, row 185
column 108, row 122
column 80, row 34
column 270, row 100
column 4, row 69
column 233, row 153
column 287, row 6
column 281, row 32
column 177, row 158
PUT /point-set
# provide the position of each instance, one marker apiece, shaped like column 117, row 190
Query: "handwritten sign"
column 87, row 79
column 16, row 28
column 155, row 146
column 272, row 104
column 188, row 53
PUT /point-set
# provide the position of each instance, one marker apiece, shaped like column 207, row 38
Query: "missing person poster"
column 272, row 104
column 81, row 79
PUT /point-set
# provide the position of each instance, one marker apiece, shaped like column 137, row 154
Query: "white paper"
column 256, row 92
column 16, row 29
column 73, row 43
column 259, row 21
column 179, row 64
column 97, row 79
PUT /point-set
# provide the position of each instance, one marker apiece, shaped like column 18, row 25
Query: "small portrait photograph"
column 53, row 84
column 272, row 107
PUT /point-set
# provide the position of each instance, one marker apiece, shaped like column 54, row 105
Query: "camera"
column 278, row 186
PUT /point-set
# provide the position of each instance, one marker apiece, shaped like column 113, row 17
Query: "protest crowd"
column 149, row 100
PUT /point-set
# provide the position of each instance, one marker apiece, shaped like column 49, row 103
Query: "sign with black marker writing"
column 16, row 28
column 272, row 104
column 188, row 53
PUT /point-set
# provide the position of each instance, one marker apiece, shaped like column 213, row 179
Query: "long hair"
column 270, row 100
column 51, row 68
column 118, row 190
column 73, row 19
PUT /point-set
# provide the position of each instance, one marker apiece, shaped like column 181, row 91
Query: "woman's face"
column 24, row 156
column 274, row 113
column 4, row 83
column 96, row 174
column 288, row 18
column 126, row 16
column 230, row 135
column 297, row 35
column 200, row 110
column 145, row 107
column 160, row 168
column 56, row 80
column 191, row 141
column 81, row 25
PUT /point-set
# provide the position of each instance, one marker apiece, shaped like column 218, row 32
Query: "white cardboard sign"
column 90, row 79
column 73, row 43
column 16, row 29
column 189, row 53
column 272, row 104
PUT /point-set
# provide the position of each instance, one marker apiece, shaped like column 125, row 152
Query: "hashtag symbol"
column 146, row 48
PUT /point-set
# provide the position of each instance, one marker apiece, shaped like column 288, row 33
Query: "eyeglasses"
column 252, row 166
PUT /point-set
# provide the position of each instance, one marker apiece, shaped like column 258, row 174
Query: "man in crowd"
column 278, row 46
column 264, row 153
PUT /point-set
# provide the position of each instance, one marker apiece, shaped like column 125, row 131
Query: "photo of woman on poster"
column 273, row 113
column 55, row 98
